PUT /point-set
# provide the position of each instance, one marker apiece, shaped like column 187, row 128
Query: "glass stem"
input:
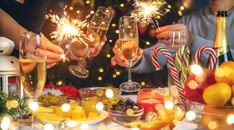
column 129, row 72
column 81, row 63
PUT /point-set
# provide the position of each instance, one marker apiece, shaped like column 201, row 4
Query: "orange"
column 217, row 122
column 217, row 94
column 224, row 73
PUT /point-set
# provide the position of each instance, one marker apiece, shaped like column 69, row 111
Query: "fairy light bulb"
column 71, row 123
column 212, row 125
column 109, row 93
column 196, row 69
column 33, row 105
column 84, row 126
column 48, row 127
column 230, row 119
column 169, row 105
column 99, row 106
column 6, row 122
column 65, row 107
column 190, row 115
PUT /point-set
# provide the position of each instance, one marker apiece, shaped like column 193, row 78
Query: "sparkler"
column 148, row 11
column 66, row 28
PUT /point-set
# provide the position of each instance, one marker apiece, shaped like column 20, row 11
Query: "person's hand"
column 46, row 48
column 163, row 34
column 93, row 52
column 119, row 59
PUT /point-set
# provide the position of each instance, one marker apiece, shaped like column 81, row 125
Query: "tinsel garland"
column 13, row 106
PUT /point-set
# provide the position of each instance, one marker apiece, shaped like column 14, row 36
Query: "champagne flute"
column 32, row 67
column 96, row 30
column 129, row 42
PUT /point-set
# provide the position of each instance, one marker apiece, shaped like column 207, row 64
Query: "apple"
column 195, row 85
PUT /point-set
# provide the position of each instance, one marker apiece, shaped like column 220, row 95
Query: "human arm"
column 11, row 29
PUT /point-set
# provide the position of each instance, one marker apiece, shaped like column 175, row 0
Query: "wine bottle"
column 221, row 45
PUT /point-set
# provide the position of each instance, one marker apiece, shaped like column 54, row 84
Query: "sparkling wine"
column 221, row 45
column 33, row 76
column 97, row 33
column 129, row 48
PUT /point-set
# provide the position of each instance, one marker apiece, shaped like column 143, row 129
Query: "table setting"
column 196, row 97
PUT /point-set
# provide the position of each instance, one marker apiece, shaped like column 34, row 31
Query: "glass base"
column 78, row 72
column 130, row 87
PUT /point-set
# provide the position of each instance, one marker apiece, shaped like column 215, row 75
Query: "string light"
column 110, row 41
column 114, row 76
column 6, row 122
column 181, row 7
column 48, row 127
column 169, row 105
column 117, row 73
column 101, row 70
column 180, row 13
column 113, row 25
column 122, row 5
column 33, row 105
column 230, row 119
column 66, row 107
column 196, row 69
column 212, row 125
column 147, row 43
column 87, row 2
column 71, row 8
column 71, row 124
column 84, row 126
column 109, row 93
column 108, row 55
column 117, row 31
column 92, row 12
column 190, row 115
column 142, row 83
column 59, row 83
column 99, row 78
column 99, row 106
column 78, row 11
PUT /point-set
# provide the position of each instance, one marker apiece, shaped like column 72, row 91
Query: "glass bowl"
column 122, row 117
column 212, row 118
column 99, row 92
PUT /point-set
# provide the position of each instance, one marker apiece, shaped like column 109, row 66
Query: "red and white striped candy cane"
column 212, row 56
column 173, row 71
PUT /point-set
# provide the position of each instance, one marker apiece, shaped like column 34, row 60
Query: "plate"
column 48, row 117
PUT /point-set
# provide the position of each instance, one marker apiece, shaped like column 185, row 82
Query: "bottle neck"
column 221, row 44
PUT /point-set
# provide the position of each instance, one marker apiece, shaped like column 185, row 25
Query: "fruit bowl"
column 123, row 118
column 212, row 118
column 99, row 92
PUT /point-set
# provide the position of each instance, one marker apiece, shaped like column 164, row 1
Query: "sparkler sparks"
column 148, row 11
column 66, row 27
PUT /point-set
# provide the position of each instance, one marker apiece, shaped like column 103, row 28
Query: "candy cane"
column 212, row 56
column 174, row 73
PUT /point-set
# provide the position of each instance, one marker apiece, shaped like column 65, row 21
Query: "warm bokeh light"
column 197, row 69
column 109, row 93
column 6, row 122
column 71, row 123
column 99, row 106
column 65, row 107
column 84, row 126
column 190, row 115
column 212, row 125
column 230, row 119
column 33, row 105
column 48, row 127
column 136, row 128
column 169, row 105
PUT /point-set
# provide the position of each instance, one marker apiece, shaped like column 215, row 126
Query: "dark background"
column 113, row 75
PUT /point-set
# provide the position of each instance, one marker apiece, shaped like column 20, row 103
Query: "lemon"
column 217, row 94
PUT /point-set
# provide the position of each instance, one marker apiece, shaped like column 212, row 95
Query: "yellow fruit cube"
column 92, row 115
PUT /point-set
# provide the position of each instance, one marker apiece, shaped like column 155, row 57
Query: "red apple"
column 195, row 85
